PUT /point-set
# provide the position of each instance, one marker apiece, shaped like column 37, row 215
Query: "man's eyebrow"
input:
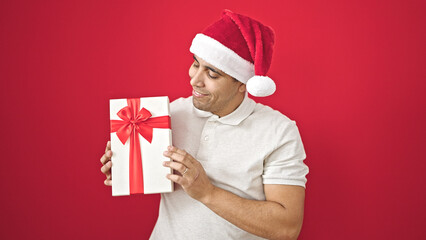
column 210, row 68
column 213, row 70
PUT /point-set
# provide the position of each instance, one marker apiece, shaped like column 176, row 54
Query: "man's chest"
column 229, row 154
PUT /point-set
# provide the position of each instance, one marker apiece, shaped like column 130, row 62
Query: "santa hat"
column 241, row 47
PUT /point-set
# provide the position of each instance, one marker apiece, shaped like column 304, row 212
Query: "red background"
column 351, row 73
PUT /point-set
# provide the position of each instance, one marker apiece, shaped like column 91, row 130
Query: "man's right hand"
column 106, row 162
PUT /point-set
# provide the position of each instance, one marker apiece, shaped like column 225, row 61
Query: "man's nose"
column 197, row 79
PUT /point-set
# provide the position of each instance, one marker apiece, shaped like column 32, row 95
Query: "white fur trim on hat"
column 261, row 86
column 220, row 56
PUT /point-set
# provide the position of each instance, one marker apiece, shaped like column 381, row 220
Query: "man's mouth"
column 198, row 94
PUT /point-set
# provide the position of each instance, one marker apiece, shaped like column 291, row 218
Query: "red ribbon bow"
column 136, row 121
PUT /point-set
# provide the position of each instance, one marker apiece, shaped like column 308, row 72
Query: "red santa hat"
column 241, row 47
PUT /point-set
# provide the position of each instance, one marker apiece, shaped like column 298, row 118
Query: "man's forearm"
column 279, row 217
column 267, row 219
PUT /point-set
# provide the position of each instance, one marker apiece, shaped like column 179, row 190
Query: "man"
column 238, row 165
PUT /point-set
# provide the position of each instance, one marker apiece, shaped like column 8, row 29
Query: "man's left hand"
column 192, row 178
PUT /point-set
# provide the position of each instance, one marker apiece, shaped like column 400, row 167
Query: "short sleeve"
column 285, row 165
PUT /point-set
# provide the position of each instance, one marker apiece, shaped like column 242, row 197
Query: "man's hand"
column 106, row 162
column 192, row 178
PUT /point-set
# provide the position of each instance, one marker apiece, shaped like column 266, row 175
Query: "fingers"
column 106, row 157
column 106, row 169
column 177, row 179
column 175, row 156
column 175, row 149
column 183, row 159
column 108, row 153
column 108, row 146
column 108, row 182
column 106, row 162
column 179, row 155
column 183, row 181
column 176, row 166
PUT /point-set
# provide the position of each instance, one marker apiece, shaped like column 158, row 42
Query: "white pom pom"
column 260, row 86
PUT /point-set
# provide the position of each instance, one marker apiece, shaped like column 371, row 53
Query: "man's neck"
column 232, row 106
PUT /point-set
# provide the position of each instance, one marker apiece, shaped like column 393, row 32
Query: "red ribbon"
column 136, row 121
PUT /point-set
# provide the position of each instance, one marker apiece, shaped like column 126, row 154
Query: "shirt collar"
column 236, row 117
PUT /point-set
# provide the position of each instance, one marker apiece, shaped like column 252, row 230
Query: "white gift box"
column 153, row 172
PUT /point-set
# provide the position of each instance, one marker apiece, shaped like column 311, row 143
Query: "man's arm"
column 280, row 216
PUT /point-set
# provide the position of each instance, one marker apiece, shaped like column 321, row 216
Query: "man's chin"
column 199, row 106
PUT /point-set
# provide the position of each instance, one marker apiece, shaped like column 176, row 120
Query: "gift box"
column 140, row 133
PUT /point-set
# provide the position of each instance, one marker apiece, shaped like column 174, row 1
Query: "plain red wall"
column 351, row 73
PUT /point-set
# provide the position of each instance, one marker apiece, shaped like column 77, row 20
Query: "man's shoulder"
column 266, row 113
column 273, row 126
column 181, row 100
column 181, row 103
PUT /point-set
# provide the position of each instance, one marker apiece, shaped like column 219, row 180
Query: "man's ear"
column 242, row 88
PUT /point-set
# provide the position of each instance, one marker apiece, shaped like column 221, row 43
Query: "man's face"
column 213, row 90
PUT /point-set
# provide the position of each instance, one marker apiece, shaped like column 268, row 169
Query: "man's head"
column 241, row 47
column 213, row 90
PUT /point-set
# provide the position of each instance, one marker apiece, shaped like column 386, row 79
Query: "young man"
column 238, row 164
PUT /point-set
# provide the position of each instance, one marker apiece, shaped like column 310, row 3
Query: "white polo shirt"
column 240, row 152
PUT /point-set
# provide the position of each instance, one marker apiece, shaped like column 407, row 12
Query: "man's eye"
column 195, row 64
column 213, row 75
